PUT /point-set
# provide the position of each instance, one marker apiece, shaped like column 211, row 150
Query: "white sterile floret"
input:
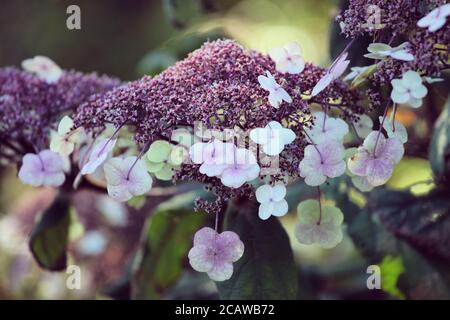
column 271, row 201
column 327, row 129
column 395, row 129
column 44, row 68
column 63, row 141
column 380, row 51
column 436, row 19
column 288, row 59
column 354, row 72
column 276, row 92
column 214, row 156
column 376, row 158
column 321, row 225
column 98, row 155
column 363, row 126
column 336, row 70
column 409, row 89
column 126, row 178
column 322, row 161
column 244, row 168
column 273, row 137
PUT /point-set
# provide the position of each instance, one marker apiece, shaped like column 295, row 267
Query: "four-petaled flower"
column 363, row 126
column 288, row 59
column 271, row 201
column 409, row 89
column 43, row 169
column 44, row 68
column 379, row 51
column 244, row 168
column 326, row 128
column 395, row 129
column 163, row 158
column 376, row 158
column 273, row 137
column 98, row 155
column 319, row 224
column 436, row 19
column 276, row 92
column 334, row 72
column 321, row 161
column 214, row 253
column 63, row 141
column 126, row 178
column 214, row 156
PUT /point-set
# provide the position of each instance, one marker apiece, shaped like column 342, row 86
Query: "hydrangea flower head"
column 326, row 128
column 288, row 59
column 409, row 89
column 273, row 137
column 321, row 161
column 30, row 107
column 126, row 178
column 318, row 224
column 44, row 68
column 217, row 86
column 98, row 155
column 214, row 253
column 276, row 92
column 43, row 169
column 376, row 164
column 272, row 202
column 436, row 19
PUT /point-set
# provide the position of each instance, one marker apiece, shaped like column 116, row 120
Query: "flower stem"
column 319, row 195
column 313, row 144
column 144, row 149
column 379, row 130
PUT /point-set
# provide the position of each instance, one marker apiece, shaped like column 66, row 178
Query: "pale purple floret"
column 215, row 253
column 98, row 155
column 377, row 164
column 43, row 169
column 321, row 161
column 214, row 156
column 126, row 178
column 244, row 168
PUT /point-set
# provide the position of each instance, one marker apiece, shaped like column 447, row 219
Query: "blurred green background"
column 130, row 38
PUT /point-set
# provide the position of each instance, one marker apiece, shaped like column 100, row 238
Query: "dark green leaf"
column 416, row 229
column 440, row 146
column 49, row 237
column 267, row 269
column 167, row 240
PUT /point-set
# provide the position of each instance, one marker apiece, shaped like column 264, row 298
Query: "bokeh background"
column 128, row 39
